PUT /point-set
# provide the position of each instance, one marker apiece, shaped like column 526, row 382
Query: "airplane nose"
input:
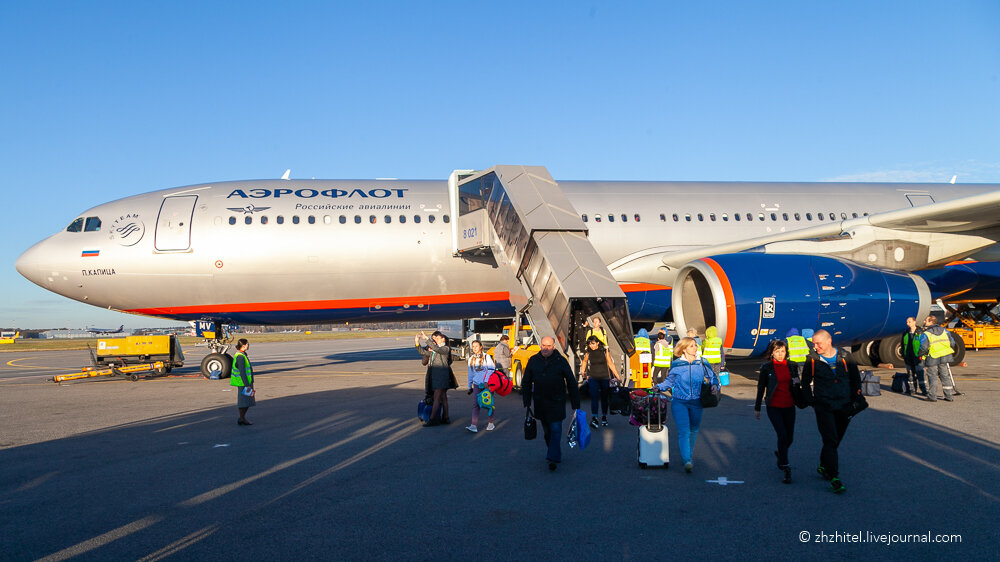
column 29, row 264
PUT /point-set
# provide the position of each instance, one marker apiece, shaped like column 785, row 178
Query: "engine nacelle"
column 753, row 298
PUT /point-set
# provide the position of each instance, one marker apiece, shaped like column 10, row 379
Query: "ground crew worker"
column 911, row 356
column 711, row 350
column 798, row 348
column 937, row 347
column 241, row 376
column 598, row 331
column 662, row 354
column 643, row 355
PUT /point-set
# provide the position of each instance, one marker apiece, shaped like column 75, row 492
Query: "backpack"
column 499, row 383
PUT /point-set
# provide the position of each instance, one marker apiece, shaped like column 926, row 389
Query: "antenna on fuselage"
column 288, row 172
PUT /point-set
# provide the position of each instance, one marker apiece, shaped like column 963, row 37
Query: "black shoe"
column 836, row 486
column 788, row 475
column 243, row 422
column 604, row 421
column 432, row 423
column 822, row 472
column 593, row 422
column 446, row 421
column 552, row 466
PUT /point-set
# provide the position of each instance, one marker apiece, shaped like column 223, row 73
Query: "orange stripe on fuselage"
column 636, row 287
column 727, row 290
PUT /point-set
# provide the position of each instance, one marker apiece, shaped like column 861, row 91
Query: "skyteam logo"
column 128, row 229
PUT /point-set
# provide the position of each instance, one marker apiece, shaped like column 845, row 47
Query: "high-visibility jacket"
column 662, row 354
column 236, row 378
column 642, row 344
column 711, row 351
column 798, row 349
column 600, row 334
column 939, row 344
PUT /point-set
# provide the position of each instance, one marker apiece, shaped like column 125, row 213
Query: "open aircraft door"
column 173, row 225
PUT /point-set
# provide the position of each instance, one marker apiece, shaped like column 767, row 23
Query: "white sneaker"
column 472, row 428
column 491, row 427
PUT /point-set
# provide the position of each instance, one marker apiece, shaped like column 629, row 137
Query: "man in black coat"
column 836, row 384
column 547, row 380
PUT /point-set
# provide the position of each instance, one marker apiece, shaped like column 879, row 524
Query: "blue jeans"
column 600, row 393
column 553, row 438
column 687, row 417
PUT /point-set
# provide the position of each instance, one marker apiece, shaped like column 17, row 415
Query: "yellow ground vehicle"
column 9, row 337
column 140, row 349
column 522, row 346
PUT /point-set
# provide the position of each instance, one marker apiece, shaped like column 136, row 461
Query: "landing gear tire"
column 863, row 354
column 959, row 350
column 215, row 362
column 890, row 350
column 516, row 373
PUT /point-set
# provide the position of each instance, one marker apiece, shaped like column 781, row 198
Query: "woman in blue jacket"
column 684, row 382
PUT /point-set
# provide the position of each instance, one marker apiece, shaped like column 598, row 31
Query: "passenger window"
column 248, row 220
column 809, row 216
column 843, row 216
column 675, row 217
column 312, row 219
column 750, row 216
column 402, row 219
column 663, row 218
column 446, row 218
column 263, row 220
column 711, row 217
column 687, row 217
column 624, row 217
column 798, row 217
column 584, row 217
column 784, row 216
column 93, row 224
column 387, row 219
column 295, row 219
column 854, row 215
column 371, row 219
column 280, row 219
column 597, row 218
column 431, row 218
column 833, row 217
column 725, row 217
column 357, row 219
column 637, row 217
column 737, row 217
column 232, row 220
column 701, row 217
column 342, row 219
column 774, row 216
column 865, row 213
column 327, row 219
column 416, row 219
column 760, row 217
column 611, row 218
column 819, row 216
column 75, row 226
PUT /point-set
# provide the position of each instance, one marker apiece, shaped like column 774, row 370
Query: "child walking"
column 481, row 365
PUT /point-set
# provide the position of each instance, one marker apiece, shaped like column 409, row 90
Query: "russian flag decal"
column 90, row 253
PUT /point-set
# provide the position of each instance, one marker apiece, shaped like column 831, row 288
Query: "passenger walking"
column 711, row 349
column 241, row 376
column 937, row 347
column 798, row 347
column 911, row 357
column 481, row 366
column 836, row 383
column 548, row 380
column 502, row 355
column 687, row 372
column 663, row 352
column 598, row 331
column 439, row 377
column 774, row 387
column 693, row 334
column 597, row 367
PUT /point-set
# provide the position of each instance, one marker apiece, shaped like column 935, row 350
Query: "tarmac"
column 336, row 466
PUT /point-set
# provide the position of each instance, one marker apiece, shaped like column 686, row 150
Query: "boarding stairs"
column 519, row 217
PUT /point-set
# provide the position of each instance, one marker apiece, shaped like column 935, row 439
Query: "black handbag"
column 857, row 406
column 801, row 395
column 530, row 426
column 709, row 397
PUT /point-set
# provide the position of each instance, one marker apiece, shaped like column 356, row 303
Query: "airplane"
column 117, row 330
column 752, row 258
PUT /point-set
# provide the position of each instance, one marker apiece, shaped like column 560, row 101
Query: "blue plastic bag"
column 579, row 431
column 724, row 377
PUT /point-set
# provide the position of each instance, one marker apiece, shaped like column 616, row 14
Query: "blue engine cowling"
column 754, row 298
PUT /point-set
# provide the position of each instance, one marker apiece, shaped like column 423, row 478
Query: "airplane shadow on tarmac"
column 350, row 474
column 388, row 354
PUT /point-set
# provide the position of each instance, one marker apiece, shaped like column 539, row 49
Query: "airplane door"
column 173, row 225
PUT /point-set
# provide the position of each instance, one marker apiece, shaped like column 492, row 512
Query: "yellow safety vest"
column 711, row 350
column 642, row 345
column 798, row 349
column 662, row 355
column 236, row 377
column 939, row 345
column 600, row 335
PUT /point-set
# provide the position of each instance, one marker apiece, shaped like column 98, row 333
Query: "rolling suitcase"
column 654, row 442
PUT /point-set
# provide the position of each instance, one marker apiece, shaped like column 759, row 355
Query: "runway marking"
column 12, row 361
column 217, row 445
column 106, row 538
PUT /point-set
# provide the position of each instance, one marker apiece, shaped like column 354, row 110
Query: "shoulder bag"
column 530, row 426
column 710, row 395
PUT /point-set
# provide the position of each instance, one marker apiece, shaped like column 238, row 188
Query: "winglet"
column 953, row 178
column 288, row 172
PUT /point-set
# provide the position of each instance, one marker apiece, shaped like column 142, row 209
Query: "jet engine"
column 753, row 298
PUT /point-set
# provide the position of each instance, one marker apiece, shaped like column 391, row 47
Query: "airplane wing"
column 969, row 218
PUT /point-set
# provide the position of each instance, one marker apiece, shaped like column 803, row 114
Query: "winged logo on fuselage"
column 248, row 210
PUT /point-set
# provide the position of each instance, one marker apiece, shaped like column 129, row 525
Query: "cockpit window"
column 75, row 226
column 93, row 224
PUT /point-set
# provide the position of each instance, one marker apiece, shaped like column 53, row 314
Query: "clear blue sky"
column 101, row 100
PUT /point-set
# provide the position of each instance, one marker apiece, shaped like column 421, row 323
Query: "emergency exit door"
column 173, row 225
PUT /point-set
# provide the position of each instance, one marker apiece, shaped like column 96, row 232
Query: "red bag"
column 499, row 383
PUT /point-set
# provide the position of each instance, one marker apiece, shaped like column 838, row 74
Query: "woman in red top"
column 775, row 381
